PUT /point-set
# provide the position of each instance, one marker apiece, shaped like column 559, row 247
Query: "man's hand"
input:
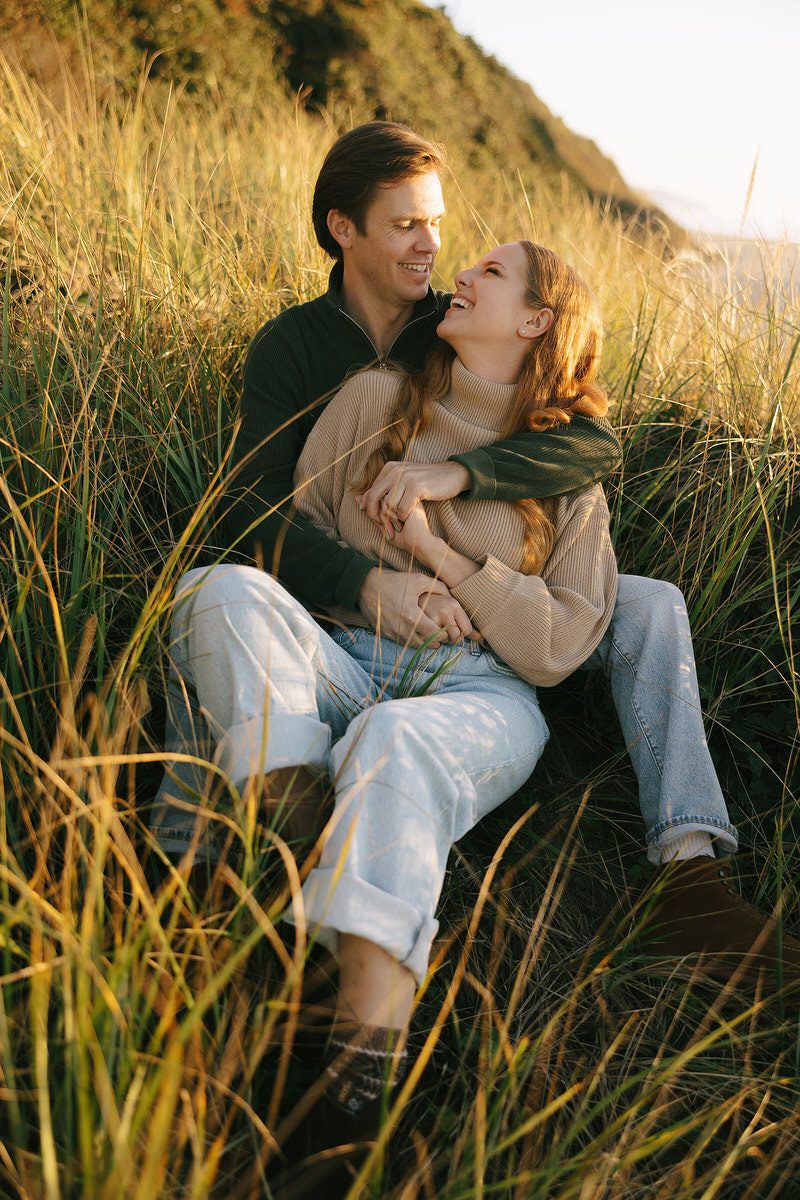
column 406, row 606
column 401, row 485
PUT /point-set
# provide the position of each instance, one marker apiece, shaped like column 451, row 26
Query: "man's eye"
column 406, row 226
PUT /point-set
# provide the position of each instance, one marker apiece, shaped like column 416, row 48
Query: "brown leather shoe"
column 697, row 910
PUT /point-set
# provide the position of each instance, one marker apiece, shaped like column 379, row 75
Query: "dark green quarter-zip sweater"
column 295, row 363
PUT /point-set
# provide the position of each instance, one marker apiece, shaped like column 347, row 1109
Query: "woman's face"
column 488, row 307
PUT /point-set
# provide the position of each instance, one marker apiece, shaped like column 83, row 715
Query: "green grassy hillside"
column 148, row 1041
column 343, row 56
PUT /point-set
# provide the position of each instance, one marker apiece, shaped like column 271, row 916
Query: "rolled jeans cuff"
column 341, row 901
column 175, row 839
column 254, row 747
column 726, row 837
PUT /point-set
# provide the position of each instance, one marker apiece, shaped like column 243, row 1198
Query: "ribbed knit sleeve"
column 537, row 464
column 327, row 458
column 546, row 626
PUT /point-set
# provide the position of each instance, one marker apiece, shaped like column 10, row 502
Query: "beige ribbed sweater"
column 542, row 626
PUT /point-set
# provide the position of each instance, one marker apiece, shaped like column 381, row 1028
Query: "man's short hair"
column 380, row 152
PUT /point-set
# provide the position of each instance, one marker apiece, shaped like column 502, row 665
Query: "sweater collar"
column 478, row 401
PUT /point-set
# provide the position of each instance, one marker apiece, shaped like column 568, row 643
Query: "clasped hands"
column 410, row 605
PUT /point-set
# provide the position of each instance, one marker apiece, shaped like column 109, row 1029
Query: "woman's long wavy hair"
column 557, row 380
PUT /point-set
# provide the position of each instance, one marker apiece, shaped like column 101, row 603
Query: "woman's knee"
column 649, row 605
column 382, row 727
column 391, row 747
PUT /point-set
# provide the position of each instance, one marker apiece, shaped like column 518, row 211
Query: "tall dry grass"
column 146, row 1039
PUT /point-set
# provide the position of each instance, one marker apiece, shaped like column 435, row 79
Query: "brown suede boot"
column 697, row 910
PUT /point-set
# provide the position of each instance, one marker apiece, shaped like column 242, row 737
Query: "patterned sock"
column 688, row 845
column 361, row 1064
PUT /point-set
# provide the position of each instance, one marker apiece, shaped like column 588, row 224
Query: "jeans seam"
column 510, row 762
column 643, row 727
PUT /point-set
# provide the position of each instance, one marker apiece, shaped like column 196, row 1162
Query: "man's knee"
column 242, row 601
column 226, row 584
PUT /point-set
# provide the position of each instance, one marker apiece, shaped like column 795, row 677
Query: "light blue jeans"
column 256, row 683
column 412, row 773
column 648, row 658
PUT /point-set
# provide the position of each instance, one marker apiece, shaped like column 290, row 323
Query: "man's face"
column 391, row 262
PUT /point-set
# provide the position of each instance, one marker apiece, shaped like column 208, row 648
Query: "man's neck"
column 381, row 322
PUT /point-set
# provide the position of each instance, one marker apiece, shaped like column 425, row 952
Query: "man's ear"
column 341, row 228
column 537, row 324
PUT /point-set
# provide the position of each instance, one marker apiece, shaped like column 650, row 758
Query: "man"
column 377, row 211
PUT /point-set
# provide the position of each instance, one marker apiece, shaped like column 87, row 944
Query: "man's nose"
column 429, row 240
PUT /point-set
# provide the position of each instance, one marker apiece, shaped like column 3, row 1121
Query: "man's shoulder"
column 289, row 325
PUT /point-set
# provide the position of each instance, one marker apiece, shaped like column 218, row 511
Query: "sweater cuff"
column 481, row 471
column 485, row 594
column 351, row 581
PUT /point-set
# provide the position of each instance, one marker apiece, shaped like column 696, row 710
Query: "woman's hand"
column 400, row 486
column 414, row 535
column 433, row 552
column 447, row 613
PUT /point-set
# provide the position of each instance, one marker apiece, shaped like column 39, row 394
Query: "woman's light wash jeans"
column 648, row 658
column 248, row 660
column 412, row 774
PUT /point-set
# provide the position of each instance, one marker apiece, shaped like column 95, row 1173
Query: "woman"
column 412, row 773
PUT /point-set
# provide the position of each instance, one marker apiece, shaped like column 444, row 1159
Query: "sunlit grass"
column 145, row 1038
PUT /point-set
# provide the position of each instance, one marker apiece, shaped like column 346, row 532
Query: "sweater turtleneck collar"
column 478, row 401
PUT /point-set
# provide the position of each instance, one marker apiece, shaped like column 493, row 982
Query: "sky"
column 685, row 96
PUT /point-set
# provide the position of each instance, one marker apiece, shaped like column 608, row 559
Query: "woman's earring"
column 523, row 329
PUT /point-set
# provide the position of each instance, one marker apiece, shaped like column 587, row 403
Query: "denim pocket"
column 498, row 666
column 344, row 635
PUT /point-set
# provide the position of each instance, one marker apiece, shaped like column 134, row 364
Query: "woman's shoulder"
column 371, row 382
column 581, row 502
column 365, row 397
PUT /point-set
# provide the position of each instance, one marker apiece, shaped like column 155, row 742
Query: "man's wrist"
column 461, row 476
column 366, row 585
